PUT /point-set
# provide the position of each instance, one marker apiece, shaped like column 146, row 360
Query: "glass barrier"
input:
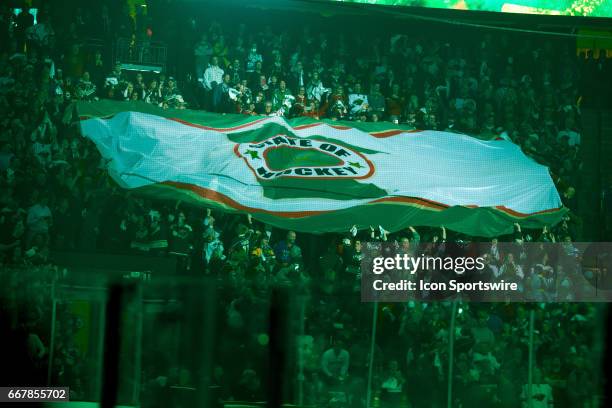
column 180, row 341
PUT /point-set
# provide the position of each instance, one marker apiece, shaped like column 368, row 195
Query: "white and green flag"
column 318, row 176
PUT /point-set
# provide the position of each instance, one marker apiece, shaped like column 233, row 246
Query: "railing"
column 142, row 53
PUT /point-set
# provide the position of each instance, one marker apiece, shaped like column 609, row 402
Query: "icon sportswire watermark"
column 496, row 272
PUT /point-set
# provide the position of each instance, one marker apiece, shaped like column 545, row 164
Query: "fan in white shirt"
column 213, row 74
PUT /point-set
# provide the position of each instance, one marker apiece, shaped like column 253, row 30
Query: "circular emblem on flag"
column 282, row 156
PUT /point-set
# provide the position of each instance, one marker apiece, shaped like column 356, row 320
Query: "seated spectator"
column 170, row 90
column 392, row 385
column 312, row 110
column 85, row 89
column 280, row 96
column 335, row 363
column 337, row 106
column 253, row 60
column 376, row 100
column 140, row 87
column 128, row 92
column 394, row 104
column 268, row 109
column 358, row 101
column 153, row 93
column 300, row 103
column 315, row 88
column 541, row 393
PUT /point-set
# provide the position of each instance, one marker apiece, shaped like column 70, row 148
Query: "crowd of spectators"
column 56, row 195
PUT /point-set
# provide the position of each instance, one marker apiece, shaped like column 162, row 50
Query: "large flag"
column 315, row 176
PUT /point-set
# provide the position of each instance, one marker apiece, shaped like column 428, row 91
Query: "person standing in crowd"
column 212, row 251
column 253, row 59
column 39, row 219
column 202, row 52
column 220, row 95
column 288, row 249
column 213, row 77
column 235, row 71
column 97, row 69
column 297, row 78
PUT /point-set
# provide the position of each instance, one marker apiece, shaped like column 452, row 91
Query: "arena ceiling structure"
column 553, row 12
column 575, row 8
column 586, row 20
